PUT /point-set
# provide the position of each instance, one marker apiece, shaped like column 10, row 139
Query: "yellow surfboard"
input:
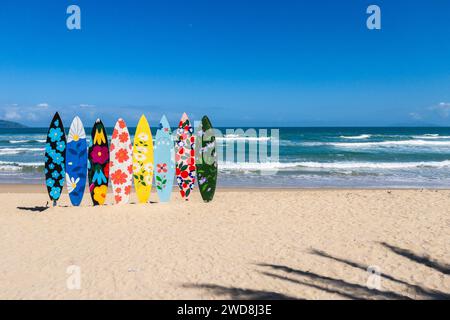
column 143, row 160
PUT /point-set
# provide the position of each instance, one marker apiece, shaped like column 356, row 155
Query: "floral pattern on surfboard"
column 206, row 161
column 164, row 160
column 121, row 163
column 98, row 163
column 76, row 162
column 185, row 157
column 143, row 160
column 54, row 159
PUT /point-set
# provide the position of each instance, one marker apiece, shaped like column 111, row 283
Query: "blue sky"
column 244, row 63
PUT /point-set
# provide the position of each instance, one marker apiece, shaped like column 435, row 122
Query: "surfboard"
column 206, row 161
column 185, row 157
column 54, row 159
column 143, row 160
column 121, row 163
column 76, row 161
column 98, row 166
column 164, row 161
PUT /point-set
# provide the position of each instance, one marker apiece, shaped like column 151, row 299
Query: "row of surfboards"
column 70, row 160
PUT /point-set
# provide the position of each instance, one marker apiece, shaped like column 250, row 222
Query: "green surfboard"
column 206, row 161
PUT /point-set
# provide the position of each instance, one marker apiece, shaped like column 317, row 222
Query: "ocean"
column 308, row 158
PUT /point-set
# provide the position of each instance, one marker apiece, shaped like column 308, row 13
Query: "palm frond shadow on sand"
column 425, row 260
column 416, row 291
column 332, row 285
column 235, row 293
column 328, row 284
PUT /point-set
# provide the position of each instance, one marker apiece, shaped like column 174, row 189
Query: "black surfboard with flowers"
column 206, row 161
column 98, row 163
column 55, row 155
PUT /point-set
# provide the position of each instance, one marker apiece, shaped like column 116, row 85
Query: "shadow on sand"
column 445, row 269
column 328, row 284
column 334, row 285
column 418, row 291
column 34, row 209
column 240, row 293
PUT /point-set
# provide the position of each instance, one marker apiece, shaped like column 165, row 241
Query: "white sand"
column 313, row 244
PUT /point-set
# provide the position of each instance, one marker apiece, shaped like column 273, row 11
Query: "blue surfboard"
column 164, row 157
column 76, row 161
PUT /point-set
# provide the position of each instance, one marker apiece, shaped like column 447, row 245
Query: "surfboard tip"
column 56, row 116
column 164, row 122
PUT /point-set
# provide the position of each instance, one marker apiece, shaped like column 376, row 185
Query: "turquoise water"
column 308, row 157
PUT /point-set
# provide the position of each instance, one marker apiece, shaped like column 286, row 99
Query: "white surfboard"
column 121, row 163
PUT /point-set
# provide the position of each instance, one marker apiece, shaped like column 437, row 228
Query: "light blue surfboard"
column 76, row 161
column 164, row 157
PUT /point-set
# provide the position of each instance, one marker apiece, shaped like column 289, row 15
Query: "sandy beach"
column 275, row 244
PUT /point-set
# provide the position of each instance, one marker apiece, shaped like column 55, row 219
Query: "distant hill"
column 4, row 124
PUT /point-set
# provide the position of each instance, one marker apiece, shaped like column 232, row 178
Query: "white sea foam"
column 430, row 136
column 375, row 165
column 394, row 143
column 413, row 143
column 347, row 165
column 360, row 137
column 17, row 166
column 27, row 141
column 11, row 151
column 256, row 165
column 235, row 137
column 9, row 168
column 290, row 143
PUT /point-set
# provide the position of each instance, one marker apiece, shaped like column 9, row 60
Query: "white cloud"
column 12, row 114
column 415, row 116
column 443, row 109
column 40, row 114
column 43, row 105
column 26, row 114
column 32, row 116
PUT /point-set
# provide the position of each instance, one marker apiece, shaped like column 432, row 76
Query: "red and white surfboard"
column 185, row 157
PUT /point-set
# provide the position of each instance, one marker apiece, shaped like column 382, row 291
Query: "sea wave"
column 407, row 143
column 359, row 137
column 20, row 166
column 235, row 137
column 27, row 141
column 347, row 165
column 431, row 136
column 256, row 165
column 11, row 151
column 412, row 143
column 375, row 165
